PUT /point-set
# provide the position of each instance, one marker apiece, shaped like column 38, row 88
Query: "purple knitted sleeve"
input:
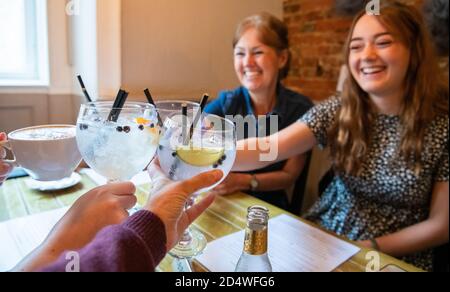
column 137, row 245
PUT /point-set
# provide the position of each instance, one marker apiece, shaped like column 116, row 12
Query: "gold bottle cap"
column 256, row 231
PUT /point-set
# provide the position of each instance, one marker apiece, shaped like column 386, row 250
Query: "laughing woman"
column 388, row 135
column 261, row 61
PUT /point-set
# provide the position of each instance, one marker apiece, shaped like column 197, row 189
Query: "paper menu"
column 293, row 247
column 20, row 236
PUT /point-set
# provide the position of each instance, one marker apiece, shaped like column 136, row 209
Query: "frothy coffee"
column 45, row 133
column 46, row 153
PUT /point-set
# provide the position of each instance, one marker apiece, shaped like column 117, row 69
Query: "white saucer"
column 44, row 186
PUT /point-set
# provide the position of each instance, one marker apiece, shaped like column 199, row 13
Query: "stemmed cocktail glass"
column 186, row 151
column 117, row 148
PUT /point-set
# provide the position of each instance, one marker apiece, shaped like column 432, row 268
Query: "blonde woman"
column 261, row 61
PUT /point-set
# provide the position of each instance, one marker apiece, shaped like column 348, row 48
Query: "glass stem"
column 187, row 236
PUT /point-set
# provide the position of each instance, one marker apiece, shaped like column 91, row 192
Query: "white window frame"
column 37, row 33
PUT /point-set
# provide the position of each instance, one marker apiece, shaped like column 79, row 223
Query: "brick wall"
column 317, row 35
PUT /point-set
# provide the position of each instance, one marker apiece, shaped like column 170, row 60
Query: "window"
column 23, row 43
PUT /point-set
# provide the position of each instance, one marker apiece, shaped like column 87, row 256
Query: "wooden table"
column 227, row 215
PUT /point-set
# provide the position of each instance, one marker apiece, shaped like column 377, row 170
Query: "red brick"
column 308, row 5
column 293, row 8
column 334, row 24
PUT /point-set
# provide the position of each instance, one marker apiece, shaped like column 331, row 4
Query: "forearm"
column 41, row 257
column 422, row 236
column 136, row 245
column 257, row 153
column 282, row 179
column 248, row 156
column 274, row 181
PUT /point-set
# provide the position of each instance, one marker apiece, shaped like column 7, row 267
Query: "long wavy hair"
column 425, row 96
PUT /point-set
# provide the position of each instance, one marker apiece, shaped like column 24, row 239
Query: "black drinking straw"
column 184, row 114
column 203, row 103
column 86, row 94
column 174, row 165
column 119, row 102
column 188, row 138
column 151, row 101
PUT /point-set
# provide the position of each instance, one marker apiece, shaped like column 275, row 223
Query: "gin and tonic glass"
column 185, row 151
column 117, row 148
column 171, row 108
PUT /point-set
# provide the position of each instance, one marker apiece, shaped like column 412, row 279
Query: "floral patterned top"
column 387, row 196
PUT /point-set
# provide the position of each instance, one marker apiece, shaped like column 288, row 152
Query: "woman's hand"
column 235, row 182
column 168, row 204
column 159, row 179
column 100, row 207
column 5, row 168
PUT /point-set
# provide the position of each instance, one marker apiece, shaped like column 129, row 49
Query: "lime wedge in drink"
column 200, row 156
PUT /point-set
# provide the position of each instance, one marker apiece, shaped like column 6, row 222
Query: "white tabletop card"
column 293, row 247
column 22, row 235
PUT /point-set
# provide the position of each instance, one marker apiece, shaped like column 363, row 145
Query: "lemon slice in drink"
column 142, row 121
column 200, row 156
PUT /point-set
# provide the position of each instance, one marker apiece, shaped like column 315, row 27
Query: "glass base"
column 182, row 265
column 191, row 248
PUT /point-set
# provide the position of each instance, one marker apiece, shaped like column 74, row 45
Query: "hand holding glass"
column 185, row 152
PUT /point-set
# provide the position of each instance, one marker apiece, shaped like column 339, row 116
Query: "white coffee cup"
column 46, row 153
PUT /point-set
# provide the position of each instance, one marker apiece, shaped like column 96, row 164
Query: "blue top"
column 290, row 106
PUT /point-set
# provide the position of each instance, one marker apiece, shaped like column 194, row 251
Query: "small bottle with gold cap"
column 255, row 258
